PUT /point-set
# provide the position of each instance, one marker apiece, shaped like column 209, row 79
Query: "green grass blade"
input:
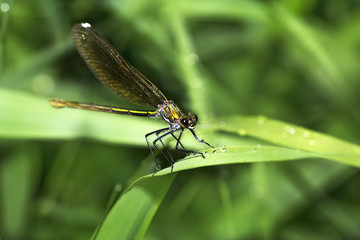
column 248, row 10
column 24, row 116
column 133, row 212
column 292, row 136
column 235, row 154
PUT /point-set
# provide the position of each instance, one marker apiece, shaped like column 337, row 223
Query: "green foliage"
column 239, row 65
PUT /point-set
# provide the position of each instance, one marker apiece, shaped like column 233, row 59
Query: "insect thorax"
column 170, row 113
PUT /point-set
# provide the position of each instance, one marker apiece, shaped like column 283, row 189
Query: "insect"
column 123, row 79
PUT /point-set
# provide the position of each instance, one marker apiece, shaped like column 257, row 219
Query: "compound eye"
column 196, row 118
column 184, row 123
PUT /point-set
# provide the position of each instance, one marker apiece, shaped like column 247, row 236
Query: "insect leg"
column 178, row 140
column 171, row 160
column 147, row 141
column 167, row 151
column 197, row 139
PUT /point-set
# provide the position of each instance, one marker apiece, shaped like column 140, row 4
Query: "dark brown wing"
column 112, row 69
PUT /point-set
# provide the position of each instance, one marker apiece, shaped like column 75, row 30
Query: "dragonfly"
column 123, row 79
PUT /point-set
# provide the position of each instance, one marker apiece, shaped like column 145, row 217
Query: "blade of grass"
column 235, row 154
column 29, row 117
column 248, row 10
column 17, row 185
column 293, row 136
column 3, row 33
column 24, row 116
column 186, row 61
column 23, row 70
column 133, row 212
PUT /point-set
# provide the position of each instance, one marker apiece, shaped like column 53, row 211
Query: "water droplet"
column 256, row 191
column 214, row 152
column 192, row 59
column 289, row 130
column 43, row 84
column 258, row 146
column 261, row 120
column 306, row 134
column 223, row 149
column 118, row 187
column 253, row 150
column 311, row 141
column 242, row 132
column 4, row 7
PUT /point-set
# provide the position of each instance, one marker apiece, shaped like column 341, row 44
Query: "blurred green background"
column 296, row 61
